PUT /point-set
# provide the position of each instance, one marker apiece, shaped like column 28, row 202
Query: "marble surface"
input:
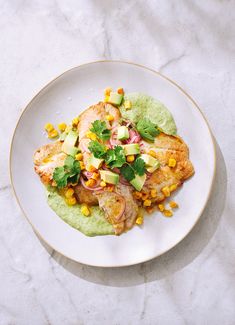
column 192, row 42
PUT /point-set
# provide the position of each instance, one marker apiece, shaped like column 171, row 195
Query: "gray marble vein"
column 193, row 43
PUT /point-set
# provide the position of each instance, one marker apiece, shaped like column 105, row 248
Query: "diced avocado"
column 109, row 177
column 149, row 160
column 131, row 149
column 138, row 182
column 152, row 169
column 115, row 98
column 70, row 142
column 63, row 136
column 95, row 162
column 72, row 151
column 122, row 133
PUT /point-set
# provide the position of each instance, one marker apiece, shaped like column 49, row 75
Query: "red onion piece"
column 97, row 188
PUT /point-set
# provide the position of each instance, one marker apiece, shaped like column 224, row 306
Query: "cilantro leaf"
column 98, row 149
column 70, row 172
column 127, row 172
column 139, row 166
column 100, row 129
column 147, row 129
column 115, row 157
column 60, row 177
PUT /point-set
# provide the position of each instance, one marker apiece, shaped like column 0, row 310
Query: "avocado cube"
column 109, row 177
column 152, row 169
column 95, row 162
column 131, row 149
column 149, row 160
column 115, row 98
column 122, row 133
column 138, row 182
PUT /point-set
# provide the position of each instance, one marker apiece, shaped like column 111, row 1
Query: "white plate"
column 67, row 96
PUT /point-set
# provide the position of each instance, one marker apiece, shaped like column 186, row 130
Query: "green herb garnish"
column 98, row 149
column 127, row 172
column 139, row 166
column 100, row 129
column 70, row 172
column 147, row 129
column 115, row 157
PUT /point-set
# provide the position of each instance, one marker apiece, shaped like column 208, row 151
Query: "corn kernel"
column 85, row 210
column 127, row 104
column 144, row 196
column 106, row 99
column 139, row 221
column 168, row 213
column 62, row 127
column 161, row 207
column 130, row 158
column 109, row 118
column 71, row 201
column 75, row 121
column 49, row 127
column 147, row 203
column 53, row 134
column 110, row 188
column 69, row 193
column 137, row 195
column 91, row 169
column 173, row 204
column 79, row 156
column 91, row 135
column 95, row 176
column 149, row 209
column 153, row 193
column 173, row 187
column 166, row 191
column 102, row 183
column 171, row 162
column 120, row 91
column 82, row 166
column 107, row 91
column 91, row 182
column 152, row 153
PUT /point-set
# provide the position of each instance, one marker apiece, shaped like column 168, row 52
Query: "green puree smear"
column 144, row 106
column 94, row 225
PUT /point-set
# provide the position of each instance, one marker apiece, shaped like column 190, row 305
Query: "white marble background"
column 192, row 42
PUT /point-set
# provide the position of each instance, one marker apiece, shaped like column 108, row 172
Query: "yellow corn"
column 147, row 203
column 91, row 169
column 75, row 121
column 144, row 196
column 79, row 156
column 69, row 193
column 95, row 176
column 173, row 204
column 130, row 158
column 109, row 118
column 102, row 183
column 171, row 162
column 85, row 210
column 91, row 135
column 152, row 153
column 49, row 127
column 168, row 213
column 173, row 187
column 91, row 182
column 153, row 193
column 110, row 188
column 53, row 134
column 139, row 221
column 106, row 99
column 120, row 91
column 166, row 191
column 71, row 201
column 82, row 166
column 138, row 195
column 62, row 127
column 161, row 207
column 107, row 91
column 127, row 104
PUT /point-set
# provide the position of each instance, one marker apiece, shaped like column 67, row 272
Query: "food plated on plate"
column 115, row 163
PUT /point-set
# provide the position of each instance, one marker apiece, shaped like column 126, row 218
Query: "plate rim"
column 139, row 66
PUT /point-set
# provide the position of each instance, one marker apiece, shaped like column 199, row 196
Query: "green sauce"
column 144, row 106
column 94, row 225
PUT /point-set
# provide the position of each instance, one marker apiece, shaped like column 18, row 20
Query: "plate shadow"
column 170, row 262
